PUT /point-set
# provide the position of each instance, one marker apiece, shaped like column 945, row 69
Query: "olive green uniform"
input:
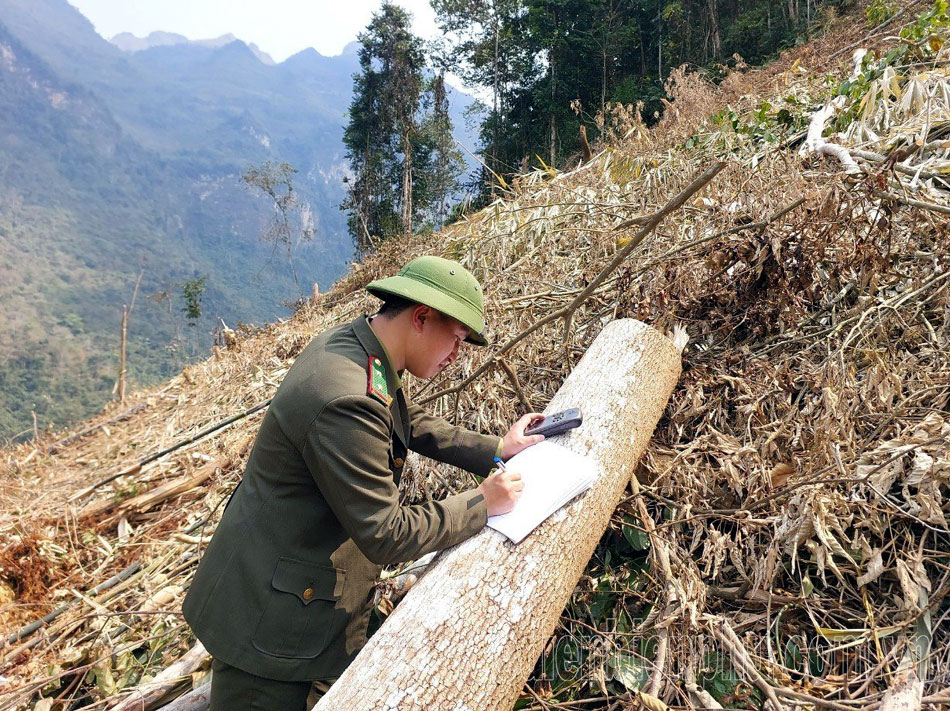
column 284, row 590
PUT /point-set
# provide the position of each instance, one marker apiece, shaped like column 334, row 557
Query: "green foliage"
column 141, row 172
column 554, row 65
column 879, row 11
column 720, row 679
column 400, row 165
column 191, row 292
column 921, row 32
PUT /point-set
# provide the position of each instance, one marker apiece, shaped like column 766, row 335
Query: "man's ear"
column 420, row 314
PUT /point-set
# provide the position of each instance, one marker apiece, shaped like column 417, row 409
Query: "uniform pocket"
column 300, row 617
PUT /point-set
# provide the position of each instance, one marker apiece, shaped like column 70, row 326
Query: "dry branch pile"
column 786, row 540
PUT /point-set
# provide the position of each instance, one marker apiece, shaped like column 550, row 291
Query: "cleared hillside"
column 795, row 491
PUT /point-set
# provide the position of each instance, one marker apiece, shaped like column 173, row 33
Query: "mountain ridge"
column 138, row 168
column 128, row 42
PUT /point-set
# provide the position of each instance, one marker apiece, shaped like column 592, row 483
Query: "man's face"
column 437, row 345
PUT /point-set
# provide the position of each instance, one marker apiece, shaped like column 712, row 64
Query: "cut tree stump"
column 468, row 634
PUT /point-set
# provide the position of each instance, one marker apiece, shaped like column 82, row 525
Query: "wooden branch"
column 513, row 377
column 904, row 694
column 933, row 207
column 815, row 142
column 120, row 383
column 121, row 417
column 872, row 157
column 874, row 31
column 168, row 450
column 567, row 312
column 173, row 487
column 195, row 700
column 728, row 637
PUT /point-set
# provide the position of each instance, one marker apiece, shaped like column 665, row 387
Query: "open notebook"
column 553, row 475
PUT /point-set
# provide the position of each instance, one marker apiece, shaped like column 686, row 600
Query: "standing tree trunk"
column 553, row 128
column 496, row 98
column 120, row 382
column 714, row 28
column 469, row 632
column 407, row 182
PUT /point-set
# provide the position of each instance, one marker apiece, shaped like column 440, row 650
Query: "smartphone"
column 557, row 423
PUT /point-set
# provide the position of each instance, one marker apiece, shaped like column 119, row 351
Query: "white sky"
column 279, row 27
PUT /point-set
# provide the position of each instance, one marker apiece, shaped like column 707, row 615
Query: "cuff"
column 501, row 446
column 473, row 513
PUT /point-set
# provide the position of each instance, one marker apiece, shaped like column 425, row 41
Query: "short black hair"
column 394, row 305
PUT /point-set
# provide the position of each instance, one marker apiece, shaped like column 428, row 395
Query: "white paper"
column 552, row 475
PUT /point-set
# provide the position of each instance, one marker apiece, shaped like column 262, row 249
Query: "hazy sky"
column 279, row 27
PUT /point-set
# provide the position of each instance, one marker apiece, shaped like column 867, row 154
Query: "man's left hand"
column 516, row 440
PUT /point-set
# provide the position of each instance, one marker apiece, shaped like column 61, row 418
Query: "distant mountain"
column 128, row 42
column 115, row 163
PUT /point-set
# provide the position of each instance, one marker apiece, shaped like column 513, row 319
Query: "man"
column 283, row 594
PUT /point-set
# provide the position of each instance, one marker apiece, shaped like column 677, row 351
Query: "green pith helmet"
column 442, row 284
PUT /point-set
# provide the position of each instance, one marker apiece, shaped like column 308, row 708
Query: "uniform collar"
column 374, row 348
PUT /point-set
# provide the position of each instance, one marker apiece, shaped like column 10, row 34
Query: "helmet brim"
column 422, row 293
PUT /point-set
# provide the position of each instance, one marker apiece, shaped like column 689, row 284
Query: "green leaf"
column 638, row 539
column 628, row 670
column 564, row 662
column 718, row 677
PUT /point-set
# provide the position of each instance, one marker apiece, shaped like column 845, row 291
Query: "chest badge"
column 376, row 381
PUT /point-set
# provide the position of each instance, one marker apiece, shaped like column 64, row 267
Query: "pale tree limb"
column 196, row 700
column 815, row 142
column 904, row 694
column 567, row 312
column 730, row 640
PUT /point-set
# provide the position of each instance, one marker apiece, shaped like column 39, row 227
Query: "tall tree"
column 493, row 50
column 383, row 129
column 437, row 184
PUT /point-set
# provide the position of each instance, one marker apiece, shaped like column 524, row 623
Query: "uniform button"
column 399, row 461
column 308, row 593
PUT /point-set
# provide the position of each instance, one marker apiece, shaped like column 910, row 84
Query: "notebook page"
column 552, row 475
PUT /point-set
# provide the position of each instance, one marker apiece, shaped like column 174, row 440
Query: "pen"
column 501, row 464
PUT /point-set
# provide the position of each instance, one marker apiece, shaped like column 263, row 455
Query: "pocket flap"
column 308, row 581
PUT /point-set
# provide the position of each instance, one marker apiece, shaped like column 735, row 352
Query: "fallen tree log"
column 467, row 635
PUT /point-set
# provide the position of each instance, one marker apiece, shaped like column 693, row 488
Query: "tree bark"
column 469, row 632
column 407, row 183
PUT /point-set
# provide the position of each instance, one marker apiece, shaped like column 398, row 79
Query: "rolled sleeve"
column 346, row 449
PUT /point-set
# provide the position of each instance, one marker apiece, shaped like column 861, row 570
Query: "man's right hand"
column 501, row 490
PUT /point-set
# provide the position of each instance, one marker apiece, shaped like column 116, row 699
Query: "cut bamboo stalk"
column 145, row 695
column 469, row 632
column 196, row 700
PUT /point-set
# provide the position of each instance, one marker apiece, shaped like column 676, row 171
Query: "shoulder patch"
column 376, row 381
